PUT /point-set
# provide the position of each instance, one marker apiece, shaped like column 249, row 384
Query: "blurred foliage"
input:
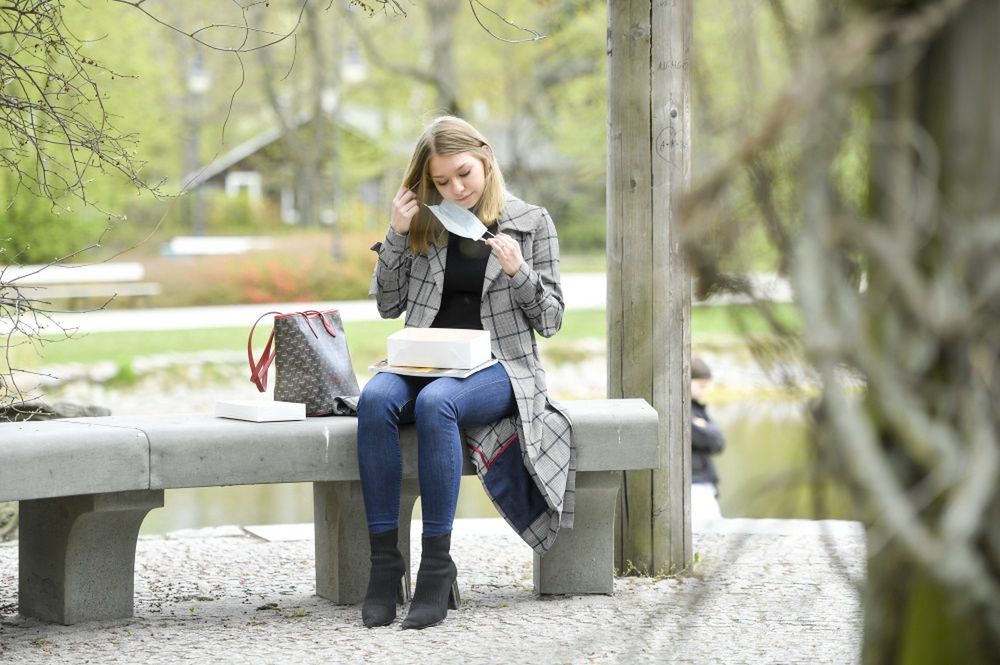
column 35, row 230
column 884, row 219
column 241, row 214
column 541, row 102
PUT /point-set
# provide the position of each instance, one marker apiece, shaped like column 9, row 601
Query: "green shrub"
column 232, row 215
column 35, row 230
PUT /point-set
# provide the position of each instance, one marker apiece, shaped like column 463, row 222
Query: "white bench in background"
column 117, row 279
column 215, row 245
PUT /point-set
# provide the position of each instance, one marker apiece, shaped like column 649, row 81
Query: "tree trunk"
column 285, row 117
column 441, row 31
column 309, row 201
column 953, row 94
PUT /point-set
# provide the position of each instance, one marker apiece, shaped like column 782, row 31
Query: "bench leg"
column 582, row 559
column 77, row 555
column 342, row 551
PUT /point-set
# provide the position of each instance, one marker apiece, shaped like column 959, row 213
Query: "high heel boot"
column 386, row 580
column 437, row 589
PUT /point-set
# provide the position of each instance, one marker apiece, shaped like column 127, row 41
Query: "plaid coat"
column 526, row 461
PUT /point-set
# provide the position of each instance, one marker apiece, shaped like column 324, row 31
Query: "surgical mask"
column 459, row 221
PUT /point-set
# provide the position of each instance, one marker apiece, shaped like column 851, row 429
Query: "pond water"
column 288, row 503
column 768, row 468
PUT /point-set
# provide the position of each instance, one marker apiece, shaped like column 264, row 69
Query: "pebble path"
column 762, row 592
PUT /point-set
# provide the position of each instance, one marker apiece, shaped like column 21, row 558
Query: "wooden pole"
column 649, row 290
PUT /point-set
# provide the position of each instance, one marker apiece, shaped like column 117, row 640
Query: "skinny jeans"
column 440, row 407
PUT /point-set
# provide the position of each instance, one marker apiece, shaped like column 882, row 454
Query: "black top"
column 705, row 442
column 464, row 273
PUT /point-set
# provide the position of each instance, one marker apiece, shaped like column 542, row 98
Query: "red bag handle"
column 259, row 369
column 326, row 324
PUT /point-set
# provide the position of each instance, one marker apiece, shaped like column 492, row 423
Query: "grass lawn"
column 367, row 338
column 590, row 262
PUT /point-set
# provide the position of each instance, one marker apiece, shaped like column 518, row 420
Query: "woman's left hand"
column 508, row 251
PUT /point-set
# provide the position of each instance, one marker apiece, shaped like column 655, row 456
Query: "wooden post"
column 649, row 290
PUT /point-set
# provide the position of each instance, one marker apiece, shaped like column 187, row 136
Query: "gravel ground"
column 764, row 591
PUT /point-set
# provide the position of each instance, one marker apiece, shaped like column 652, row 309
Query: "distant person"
column 706, row 441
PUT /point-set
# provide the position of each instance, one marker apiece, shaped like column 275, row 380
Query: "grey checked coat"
column 526, row 461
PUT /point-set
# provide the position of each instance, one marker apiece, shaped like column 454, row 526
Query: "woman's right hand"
column 404, row 208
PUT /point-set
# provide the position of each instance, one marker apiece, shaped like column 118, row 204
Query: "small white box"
column 449, row 348
column 260, row 410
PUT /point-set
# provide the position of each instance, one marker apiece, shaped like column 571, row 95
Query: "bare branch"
column 375, row 57
column 244, row 32
column 535, row 36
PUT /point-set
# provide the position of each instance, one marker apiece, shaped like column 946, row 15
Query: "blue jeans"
column 439, row 407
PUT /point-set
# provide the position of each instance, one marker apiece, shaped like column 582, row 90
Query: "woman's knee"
column 435, row 403
column 379, row 397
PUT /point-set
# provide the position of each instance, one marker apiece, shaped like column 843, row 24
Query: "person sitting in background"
column 706, row 441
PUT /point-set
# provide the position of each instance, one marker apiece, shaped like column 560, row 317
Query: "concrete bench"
column 80, row 282
column 86, row 484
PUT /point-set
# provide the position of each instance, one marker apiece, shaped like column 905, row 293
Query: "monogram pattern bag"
column 312, row 362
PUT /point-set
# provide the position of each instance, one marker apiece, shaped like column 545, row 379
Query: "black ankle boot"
column 437, row 590
column 385, row 582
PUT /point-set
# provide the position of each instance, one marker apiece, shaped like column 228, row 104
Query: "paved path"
column 580, row 290
column 763, row 592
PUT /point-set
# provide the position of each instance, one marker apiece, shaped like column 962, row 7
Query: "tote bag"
column 312, row 362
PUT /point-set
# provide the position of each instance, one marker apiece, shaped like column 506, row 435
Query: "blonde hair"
column 448, row 135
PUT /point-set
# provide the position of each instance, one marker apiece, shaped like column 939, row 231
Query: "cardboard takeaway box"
column 449, row 348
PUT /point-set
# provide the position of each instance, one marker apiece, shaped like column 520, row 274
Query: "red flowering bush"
column 298, row 269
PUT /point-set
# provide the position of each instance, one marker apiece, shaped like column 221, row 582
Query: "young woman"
column 519, row 441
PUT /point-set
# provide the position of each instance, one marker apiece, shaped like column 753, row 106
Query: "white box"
column 260, row 410
column 450, row 348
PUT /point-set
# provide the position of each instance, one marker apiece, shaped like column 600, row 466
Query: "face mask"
column 459, row 221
